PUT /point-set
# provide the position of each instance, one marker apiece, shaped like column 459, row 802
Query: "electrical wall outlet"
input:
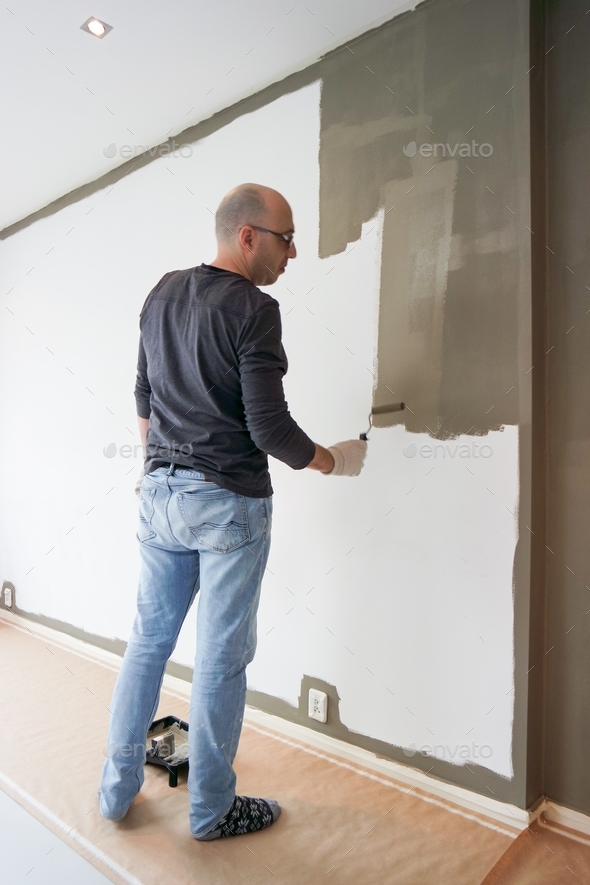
column 318, row 705
column 7, row 597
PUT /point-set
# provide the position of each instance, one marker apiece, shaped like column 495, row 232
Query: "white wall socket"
column 318, row 705
column 8, row 597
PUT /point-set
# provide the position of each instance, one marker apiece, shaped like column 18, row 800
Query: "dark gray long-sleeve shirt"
column 209, row 378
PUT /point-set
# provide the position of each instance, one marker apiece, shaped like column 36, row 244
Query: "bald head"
column 257, row 255
column 243, row 205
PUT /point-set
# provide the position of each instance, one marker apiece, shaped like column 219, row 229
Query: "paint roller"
column 382, row 410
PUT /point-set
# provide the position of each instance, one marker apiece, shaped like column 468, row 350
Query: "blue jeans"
column 193, row 536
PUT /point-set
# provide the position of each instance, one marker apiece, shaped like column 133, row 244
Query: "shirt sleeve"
column 262, row 362
column 143, row 389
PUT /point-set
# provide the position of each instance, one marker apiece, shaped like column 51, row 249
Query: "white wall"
column 395, row 586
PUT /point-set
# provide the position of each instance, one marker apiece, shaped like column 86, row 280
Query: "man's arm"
column 143, row 424
column 143, row 390
column 262, row 364
column 143, row 429
column 322, row 460
column 142, row 399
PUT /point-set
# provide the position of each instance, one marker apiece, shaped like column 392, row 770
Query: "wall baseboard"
column 508, row 815
column 567, row 817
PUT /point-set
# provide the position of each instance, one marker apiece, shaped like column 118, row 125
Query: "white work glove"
column 348, row 457
column 139, row 480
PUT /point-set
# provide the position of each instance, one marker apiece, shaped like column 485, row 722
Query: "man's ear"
column 245, row 238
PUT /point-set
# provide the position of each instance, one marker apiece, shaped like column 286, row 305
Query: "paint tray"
column 167, row 745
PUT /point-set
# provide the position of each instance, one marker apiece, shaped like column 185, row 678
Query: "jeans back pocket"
column 218, row 520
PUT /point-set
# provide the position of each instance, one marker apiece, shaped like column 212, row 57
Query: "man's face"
column 271, row 253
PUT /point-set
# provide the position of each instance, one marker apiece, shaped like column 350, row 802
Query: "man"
column 210, row 408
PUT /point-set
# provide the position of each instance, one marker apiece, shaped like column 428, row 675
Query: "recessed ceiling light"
column 95, row 27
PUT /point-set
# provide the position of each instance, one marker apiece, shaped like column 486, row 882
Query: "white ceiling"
column 163, row 67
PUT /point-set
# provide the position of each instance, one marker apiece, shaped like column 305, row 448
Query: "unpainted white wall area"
column 395, row 586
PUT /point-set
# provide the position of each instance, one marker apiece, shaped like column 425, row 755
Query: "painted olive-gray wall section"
column 567, row 760
column 454, row 313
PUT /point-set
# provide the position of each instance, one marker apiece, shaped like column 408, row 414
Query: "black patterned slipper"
column 246, row 815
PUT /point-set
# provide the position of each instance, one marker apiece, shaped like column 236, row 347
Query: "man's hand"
column 139, row 480
column 348, row 457
column 143, row 424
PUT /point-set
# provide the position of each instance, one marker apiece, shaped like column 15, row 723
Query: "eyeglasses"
column 286, row 238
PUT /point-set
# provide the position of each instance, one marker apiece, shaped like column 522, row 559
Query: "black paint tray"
column 169, row 725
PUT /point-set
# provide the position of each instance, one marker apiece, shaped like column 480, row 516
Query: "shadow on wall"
column 449, row 172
